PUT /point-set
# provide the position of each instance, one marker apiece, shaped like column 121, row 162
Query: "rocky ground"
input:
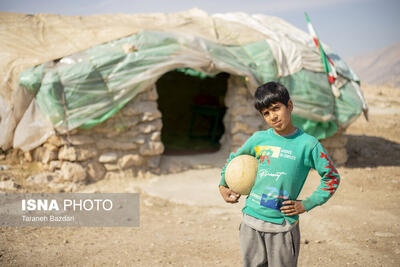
column 183, row 222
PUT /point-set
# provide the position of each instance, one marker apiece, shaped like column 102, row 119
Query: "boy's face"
column 278, row 117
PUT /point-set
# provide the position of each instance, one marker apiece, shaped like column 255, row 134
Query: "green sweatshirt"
column 284, row 163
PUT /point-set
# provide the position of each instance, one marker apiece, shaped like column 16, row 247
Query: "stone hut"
column 130, row 143
column 86, row 97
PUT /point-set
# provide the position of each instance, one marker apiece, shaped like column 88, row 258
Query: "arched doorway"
column 192, row 107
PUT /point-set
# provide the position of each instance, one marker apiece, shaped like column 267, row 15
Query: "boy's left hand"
column 292, row 207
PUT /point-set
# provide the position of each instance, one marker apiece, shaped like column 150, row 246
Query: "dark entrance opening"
column 192, row 107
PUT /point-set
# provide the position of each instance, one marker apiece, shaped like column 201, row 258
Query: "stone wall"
column 336, row 147
column 129, row 143
column 241, row 118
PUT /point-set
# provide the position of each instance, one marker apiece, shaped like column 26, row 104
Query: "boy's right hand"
column 228, row 195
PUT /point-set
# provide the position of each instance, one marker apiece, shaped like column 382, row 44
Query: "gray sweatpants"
column 269, row 249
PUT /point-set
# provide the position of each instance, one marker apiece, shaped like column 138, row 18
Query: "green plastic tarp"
column 87, row 88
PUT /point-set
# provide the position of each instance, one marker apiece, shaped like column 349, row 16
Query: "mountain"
column 379, row 68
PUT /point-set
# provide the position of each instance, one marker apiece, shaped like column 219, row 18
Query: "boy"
column 269, row 232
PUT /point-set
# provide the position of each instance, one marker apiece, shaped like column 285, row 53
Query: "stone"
column 140, row 97
column 73, row 172
column 128, row 135
column 108, row 157
column 144, row 174
column 130, row 122
column 49, row 156
column 147, row 109
column 155, row 136
column 113, row 135
column 50, row 147
column 117, row 145
column 336, row 141
column 152, row 94
column 131, row 109
column 95, row 171
column 236, row 101
column 41, row 178
column 242, row 127
column 78, row 140
column 154, row 162
column 139, row 140
column 243, row 110
column 4, row 177
column 8, row 185
column 83, row 154
column 338, row 155
column 56, row 140
column 111, row 167
column 130, row 160
column 152, row 149
column 239, row 139
column 255, row 122
column 151, row 116
column 28, row 156
column 38, row 153
column 241, row 90
column 54, row 165
column 67, row 153
column 149, row 127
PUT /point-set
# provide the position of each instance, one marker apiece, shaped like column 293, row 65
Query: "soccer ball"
column 241, row 173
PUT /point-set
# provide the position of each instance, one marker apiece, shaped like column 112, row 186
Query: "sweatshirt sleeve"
column 245, row 149
column 330, row 178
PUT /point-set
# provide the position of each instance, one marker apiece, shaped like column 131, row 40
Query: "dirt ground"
column 359, row 226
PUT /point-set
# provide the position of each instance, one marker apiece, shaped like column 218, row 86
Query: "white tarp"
column 29, row 40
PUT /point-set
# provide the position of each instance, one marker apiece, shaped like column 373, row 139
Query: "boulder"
column 155, row 136
column 43, row 178
column 78, row 140
column 130, row 160
column 111, row 167
column 83, row 154
column 154, row 162
column 95, row 171
column 8, row 185
column 56, row 140
column 49, row 156
column 117, row 145
column 149, row 127
column 54, row 165
column 67, row 153
column 73, row 172
column 108, row 157
column 152, row 149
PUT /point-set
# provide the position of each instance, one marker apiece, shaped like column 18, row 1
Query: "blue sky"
column 349, row 27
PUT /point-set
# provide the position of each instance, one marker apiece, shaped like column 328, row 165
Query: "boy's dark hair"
column 270, row 93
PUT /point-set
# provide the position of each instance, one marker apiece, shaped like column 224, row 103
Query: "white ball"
column 241, row 173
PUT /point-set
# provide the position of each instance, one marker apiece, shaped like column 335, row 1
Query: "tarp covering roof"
column 81, row 70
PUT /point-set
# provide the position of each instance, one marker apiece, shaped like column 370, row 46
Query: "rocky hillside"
column 380, row 67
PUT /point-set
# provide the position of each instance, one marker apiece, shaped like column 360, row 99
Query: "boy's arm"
column 330, row 178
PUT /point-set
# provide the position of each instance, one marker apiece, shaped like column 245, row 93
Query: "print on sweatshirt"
column 284, row 163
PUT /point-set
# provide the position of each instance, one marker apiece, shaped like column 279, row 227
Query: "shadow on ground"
column 370, row 151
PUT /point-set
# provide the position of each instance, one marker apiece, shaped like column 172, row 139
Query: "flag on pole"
column 329, row 67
